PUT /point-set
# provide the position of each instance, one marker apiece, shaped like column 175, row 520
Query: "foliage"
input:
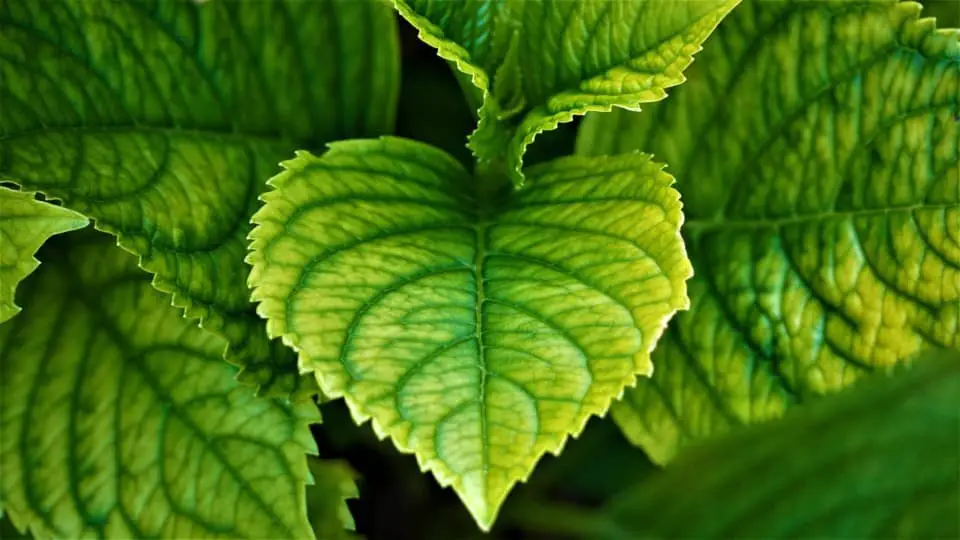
column 844, row 467
column 25, row 223
column 417, row 301
column 120, row 419
column 822, row 202
column 538, row 63
column 280, row 219
column 163, row 120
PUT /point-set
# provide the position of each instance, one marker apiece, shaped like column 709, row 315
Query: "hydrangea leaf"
column 478, row 333
column 121, row 420
column 539, row 63
column 816, row 146
column 880, row 461
column 163, row 121
column 331, row 521
column 25, row 224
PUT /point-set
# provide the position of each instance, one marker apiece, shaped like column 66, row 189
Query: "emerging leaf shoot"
column 539, row 63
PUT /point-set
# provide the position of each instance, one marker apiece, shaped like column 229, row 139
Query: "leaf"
column 25, row 223
column 823, row 206
column 878, row 462
column 477, row 334
column 331, row 520
column 164, row 120
column 541, row 63
column 120, row 419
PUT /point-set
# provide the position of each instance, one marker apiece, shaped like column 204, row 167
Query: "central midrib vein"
column 479, row 258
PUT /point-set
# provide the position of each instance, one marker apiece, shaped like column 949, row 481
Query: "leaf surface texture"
column 476, row 334
column 163, row 121
column 816, row 146
column 539, row 63
column 25, row 224
column 878, row 462
column 121, row 420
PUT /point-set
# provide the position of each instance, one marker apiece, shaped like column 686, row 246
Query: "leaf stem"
column 492, row 183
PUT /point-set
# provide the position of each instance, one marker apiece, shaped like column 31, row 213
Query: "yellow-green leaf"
column 25, row 224
column 539, row 63
column 163, row 121
column 121, row 420
column 816, row 146
column 477, row 334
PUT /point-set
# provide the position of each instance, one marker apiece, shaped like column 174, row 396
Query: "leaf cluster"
column 219, row 218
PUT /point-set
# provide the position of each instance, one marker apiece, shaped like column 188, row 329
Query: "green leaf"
column 816, row 147
column 878, row 462
column 478, row 334
column 163, row 121
column 331, row 521
column 540, row 63
column 25, row 224
column 120, row 419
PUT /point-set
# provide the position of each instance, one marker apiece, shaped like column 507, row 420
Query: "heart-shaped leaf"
column 476, row 332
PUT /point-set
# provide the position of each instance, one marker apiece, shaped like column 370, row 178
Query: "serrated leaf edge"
column 206, row 318
column 359, row 413
column 541, row 119
column 35, row 263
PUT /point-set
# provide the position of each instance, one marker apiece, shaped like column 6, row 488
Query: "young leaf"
column 817, row 151
column 540, row 63
column 476, row 333
column 878, row 462
column 163, row 121
column 25, row 224
column 120, row 419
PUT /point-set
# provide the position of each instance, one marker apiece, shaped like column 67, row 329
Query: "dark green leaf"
column 880, row 461
column 164, row 119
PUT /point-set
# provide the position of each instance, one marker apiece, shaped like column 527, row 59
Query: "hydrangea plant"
column 729, row 242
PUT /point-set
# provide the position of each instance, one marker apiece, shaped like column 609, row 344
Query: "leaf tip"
column 482, row 500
